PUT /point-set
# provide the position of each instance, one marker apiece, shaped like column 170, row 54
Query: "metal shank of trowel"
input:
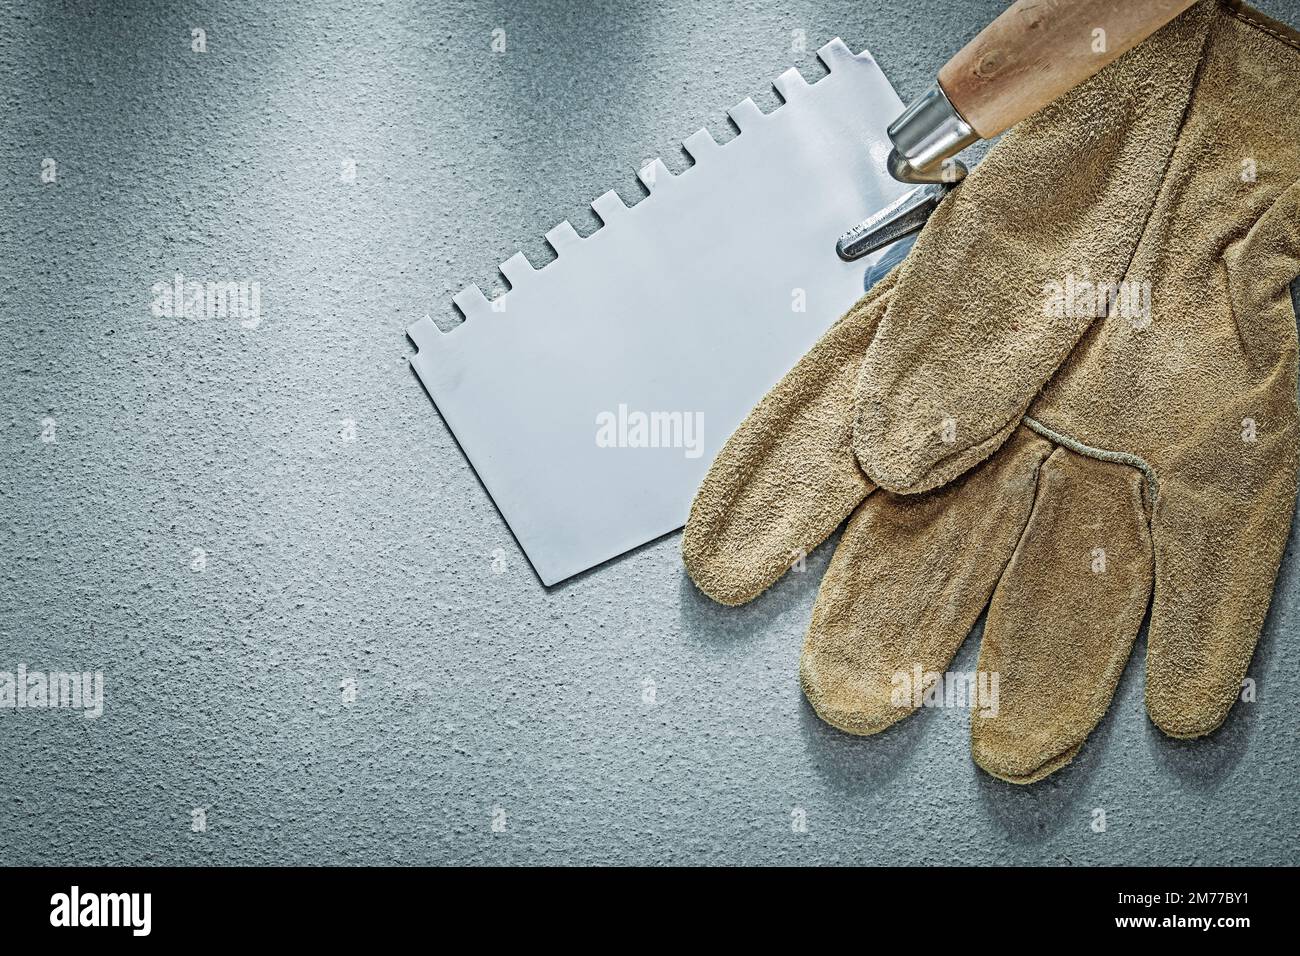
column 926, row 137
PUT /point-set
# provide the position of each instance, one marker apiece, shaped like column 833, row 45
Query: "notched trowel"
column 593, row 395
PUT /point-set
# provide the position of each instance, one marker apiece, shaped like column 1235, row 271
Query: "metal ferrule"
column 929, row 132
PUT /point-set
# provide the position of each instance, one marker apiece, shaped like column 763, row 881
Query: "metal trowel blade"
column 592, row 396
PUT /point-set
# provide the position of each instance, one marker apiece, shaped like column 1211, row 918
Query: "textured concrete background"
column 373, row 560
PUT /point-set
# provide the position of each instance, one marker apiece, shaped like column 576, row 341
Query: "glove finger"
column 787, row 477
column 907, row 582
column 1063, row 619
column 1217, row 556
column 981, row 316
column 1223, row 514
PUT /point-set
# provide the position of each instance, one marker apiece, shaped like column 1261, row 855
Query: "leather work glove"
column 1001, row 434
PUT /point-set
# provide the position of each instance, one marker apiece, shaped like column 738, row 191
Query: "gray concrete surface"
column 381, row 561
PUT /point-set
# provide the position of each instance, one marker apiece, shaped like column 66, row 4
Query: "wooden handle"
column 1038, row 49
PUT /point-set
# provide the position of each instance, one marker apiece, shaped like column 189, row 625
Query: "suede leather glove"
column 1075, row 400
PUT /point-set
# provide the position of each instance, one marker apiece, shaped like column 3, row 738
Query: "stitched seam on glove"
column 1101, row 454
column 1273, row 28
